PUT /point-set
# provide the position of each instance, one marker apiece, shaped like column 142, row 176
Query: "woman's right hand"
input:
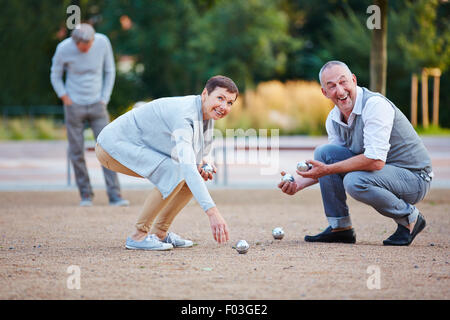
column 287, row 187
column 206, row 175
column 219, row 227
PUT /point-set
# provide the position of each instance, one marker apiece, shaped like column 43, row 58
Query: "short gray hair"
column 329, row 64
column 83, row 33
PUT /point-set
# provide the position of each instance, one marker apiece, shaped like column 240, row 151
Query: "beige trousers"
column 155, row 207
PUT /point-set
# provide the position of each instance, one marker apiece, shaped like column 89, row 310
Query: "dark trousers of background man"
column 97, row 117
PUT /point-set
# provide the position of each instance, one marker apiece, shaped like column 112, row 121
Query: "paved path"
column 43, row 165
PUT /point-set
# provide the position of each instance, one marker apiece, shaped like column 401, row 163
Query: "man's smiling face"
column 217, row 104
column 339, row 85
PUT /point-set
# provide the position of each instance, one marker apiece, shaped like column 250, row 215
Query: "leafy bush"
column 20, row 129
column 44, row 129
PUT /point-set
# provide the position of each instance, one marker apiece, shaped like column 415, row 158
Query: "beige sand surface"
column 43, row 233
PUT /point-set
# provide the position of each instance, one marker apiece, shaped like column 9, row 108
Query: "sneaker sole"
column 345, row 240
column 148, row 249
column 185, row 246
column 351, row 241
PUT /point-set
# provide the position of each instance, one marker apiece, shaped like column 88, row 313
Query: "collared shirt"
column 378, row 118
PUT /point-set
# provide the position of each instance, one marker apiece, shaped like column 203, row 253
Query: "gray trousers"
column 97, row 117
column 391, row 191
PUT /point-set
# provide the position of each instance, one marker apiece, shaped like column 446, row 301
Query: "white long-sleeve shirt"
column 89, row 76
column 378, row 117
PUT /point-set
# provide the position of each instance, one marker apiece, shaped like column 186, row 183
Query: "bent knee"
column 330, row 153
column 354, row 184
column 321, row 152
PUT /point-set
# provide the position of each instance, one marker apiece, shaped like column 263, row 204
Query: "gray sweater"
column 89, row 76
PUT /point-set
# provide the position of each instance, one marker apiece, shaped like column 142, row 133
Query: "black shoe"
column 402, row 236
column 346, row 236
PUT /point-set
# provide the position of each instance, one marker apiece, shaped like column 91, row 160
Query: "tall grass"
column 433, row 130
column 20, row 129
column 31, row 129
column 294, row 107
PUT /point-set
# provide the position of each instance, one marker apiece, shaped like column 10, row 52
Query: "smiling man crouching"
column 374, row 154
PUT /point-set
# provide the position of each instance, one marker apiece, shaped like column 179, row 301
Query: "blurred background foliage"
column 273, row 49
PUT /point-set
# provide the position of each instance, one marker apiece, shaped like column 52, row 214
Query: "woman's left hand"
column 207, row 175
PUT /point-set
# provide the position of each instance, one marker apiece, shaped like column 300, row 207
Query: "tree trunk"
column 436, row 101
column 378, row 53
column 414, row 95
column 425, row 120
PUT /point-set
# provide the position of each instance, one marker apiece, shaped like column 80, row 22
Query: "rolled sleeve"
column 378, row 117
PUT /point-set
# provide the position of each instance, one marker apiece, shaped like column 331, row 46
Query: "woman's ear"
column 204, row 93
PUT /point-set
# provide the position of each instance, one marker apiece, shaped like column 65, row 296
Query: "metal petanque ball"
column 287, row 177
column 207, row 168
column 242, row 246
column 303, row 166
column 278, row 233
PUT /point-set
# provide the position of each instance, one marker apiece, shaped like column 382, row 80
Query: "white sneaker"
column 119, row 203
column 177, row 241
column 86, row 202
column 151, row 242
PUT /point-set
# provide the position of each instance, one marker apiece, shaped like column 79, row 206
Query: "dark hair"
column 222, row 82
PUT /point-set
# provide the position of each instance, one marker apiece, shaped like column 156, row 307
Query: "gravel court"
column 44, row 233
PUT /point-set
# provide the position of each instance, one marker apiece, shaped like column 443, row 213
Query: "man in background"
column 87, row 59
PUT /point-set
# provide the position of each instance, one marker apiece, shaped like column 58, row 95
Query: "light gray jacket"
column 164, row 141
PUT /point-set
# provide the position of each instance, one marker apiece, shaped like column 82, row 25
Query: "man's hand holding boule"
column 318, row 170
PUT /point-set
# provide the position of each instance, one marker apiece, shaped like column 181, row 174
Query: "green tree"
column 309, row 20
column 158, row 40
column 29, row 33
column 410, row 23
column 350, row 42
column 427, row 44
column 28, row 39
column 182, row 43
column 246, row 40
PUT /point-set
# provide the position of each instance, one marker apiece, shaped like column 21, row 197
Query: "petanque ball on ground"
column 278, row 233
column 242, row 246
